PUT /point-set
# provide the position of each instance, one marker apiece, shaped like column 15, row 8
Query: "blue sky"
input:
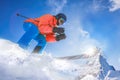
column 90, row 22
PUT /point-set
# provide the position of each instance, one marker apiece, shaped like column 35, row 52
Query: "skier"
column 43, row 29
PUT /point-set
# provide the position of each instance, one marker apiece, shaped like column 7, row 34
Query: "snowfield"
column 18, row 64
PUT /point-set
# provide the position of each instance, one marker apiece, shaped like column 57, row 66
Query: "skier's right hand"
column 60, row 37
column 59, row 30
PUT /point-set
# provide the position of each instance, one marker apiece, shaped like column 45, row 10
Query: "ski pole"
column 25, row 17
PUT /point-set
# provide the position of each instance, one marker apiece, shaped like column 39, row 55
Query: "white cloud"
column 96, row 5
column 115, row 5
column 57, row 5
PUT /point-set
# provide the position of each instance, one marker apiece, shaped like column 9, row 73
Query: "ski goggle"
column 62, row 20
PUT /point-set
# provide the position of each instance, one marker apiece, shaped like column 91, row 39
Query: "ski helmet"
column 61, row 16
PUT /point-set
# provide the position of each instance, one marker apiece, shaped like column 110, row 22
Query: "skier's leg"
column 30, row 33
column 41, row 44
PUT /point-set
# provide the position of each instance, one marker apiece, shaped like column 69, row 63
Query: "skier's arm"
column 34, row 21
column 53, row 38
column 46, row 29
column 50, row 37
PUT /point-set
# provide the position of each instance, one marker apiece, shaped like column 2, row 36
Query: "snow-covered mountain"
column 18, row 64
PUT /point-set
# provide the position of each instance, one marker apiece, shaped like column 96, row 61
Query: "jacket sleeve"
column 50, row 37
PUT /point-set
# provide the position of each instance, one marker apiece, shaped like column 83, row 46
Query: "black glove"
column 60, row 37
column 58, row 30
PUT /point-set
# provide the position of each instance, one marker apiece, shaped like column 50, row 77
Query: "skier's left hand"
column 60, row 37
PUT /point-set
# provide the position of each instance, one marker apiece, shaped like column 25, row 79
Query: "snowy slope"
column 18, row 64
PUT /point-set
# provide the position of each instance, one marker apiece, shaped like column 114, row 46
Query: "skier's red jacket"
column 45, row 24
